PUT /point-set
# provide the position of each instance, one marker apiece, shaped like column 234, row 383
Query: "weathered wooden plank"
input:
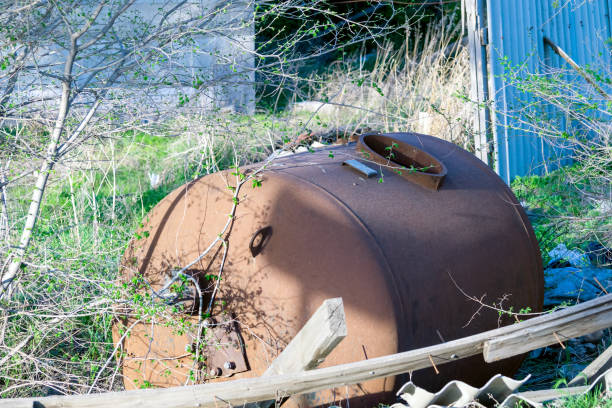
column 319, row 336
column 577, row 67
column 243, row 391
column 551, row 329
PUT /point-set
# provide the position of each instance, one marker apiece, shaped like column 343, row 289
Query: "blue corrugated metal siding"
column 516, row 29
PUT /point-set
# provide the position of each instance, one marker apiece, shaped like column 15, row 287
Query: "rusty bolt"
column 216, row 372
column 229, row 365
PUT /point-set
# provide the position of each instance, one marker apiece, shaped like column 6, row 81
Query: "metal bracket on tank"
column 360, row 167
column 224, row 349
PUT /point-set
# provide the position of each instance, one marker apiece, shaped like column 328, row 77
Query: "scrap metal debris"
column 459, row 394
column 499, row 391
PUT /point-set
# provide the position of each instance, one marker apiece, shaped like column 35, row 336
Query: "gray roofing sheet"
column 499, row 391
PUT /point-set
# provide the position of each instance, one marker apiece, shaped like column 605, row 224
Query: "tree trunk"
column 41, row 181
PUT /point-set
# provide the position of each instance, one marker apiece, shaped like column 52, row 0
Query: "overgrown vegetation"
column 324, row 45
column 411, row 88
column 565, row 212
column 595, row 399
column 572, row 204
column 92, row 209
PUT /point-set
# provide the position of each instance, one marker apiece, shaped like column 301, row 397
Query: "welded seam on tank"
column 364, row 227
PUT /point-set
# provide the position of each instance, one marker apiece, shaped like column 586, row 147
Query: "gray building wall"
column 220, row 58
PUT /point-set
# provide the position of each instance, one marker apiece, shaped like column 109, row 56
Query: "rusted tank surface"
column 396, row 239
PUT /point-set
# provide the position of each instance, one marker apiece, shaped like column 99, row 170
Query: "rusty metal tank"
column 395, row 233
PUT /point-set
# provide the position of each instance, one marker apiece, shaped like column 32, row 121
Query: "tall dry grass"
column 411, row 89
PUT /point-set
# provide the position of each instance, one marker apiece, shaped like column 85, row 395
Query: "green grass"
column 562, row 210
column 80, row 236
column 593, row 399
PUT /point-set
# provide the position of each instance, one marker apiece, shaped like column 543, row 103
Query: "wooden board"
column 585, row 318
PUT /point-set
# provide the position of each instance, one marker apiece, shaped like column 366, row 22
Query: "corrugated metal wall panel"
column 515, row 31
column 609, row 11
